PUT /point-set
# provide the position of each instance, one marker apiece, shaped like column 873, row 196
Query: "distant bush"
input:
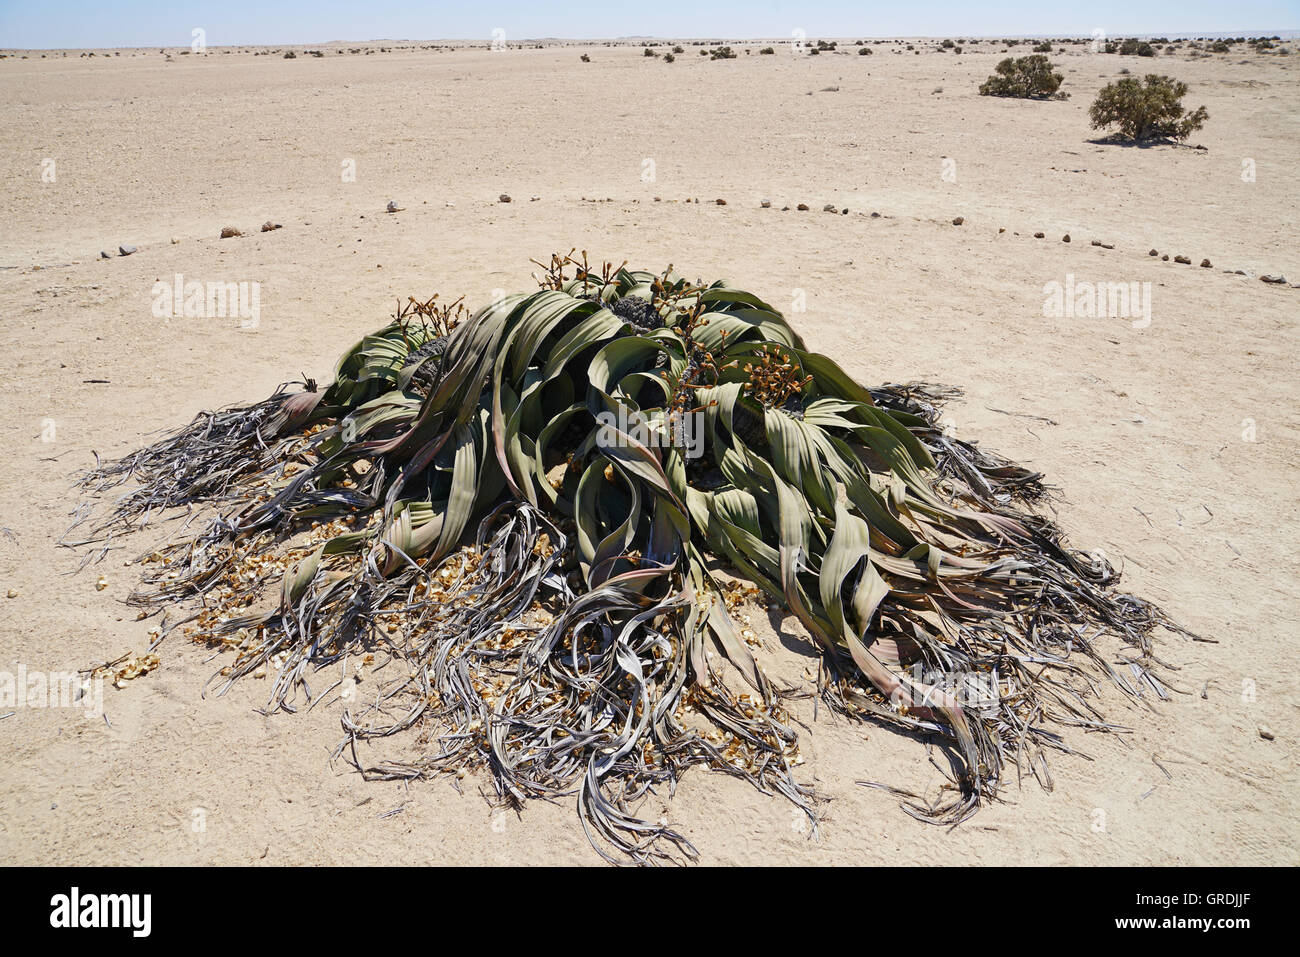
column 649, row 52
column 947, row 44
column 678, row 50
column 1220, row 47
column 669, row 58
column 1146, row 109
column 767, row 51
column 864, row 51
column 585, row 58
column 1136, row 48
column 722, row 53
column 291, row 55
column 1026, row 77
column 1043, row 47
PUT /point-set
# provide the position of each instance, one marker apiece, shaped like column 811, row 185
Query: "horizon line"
column 1284, row 34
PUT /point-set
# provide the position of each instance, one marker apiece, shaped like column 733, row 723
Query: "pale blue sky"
column 157, row 23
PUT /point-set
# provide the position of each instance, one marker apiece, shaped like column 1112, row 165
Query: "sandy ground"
column 1175, row 444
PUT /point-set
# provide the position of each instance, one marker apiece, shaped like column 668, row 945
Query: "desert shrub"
column 1136, row 48
column 767, row 51
column 1146, row 109
column 947, row 44
column 669, row 58
column 291, row 55
column 722, row 53
column 585, row 58
column 678, row 50
column 1043, row 47
column 1220, row 47
column 864, row 51
column 649, row 52
column 1026, row 77
column 549, row 611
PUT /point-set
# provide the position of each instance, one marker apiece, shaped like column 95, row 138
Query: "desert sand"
column 1174, row 444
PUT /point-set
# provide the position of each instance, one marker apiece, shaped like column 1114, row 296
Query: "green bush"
column 1146, row 109
column 669, row 58
column 864, row 51
column 1026, row 77
column 1136, row 48
column 1043, row 47
column 767, row 51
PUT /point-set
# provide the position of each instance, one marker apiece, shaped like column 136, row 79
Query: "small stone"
column 1266, row 732
column 13, row 593
column 230, row 232
column 1182, row 259
column 659, row 199
column 844, row 211
column 1065, row 238
column 802, row 207
column 101, row 584
column 175, row 241
column 125, row 250
column 829, row 208
column 766, row 204
column 875, row 215
column 1277, row 280
column 1038, row 235
column 268, row 226
column 393, row 207
column 959, row 220
column 503, row 198
column 721, row 202
column 1001, row 230
column 1098, row 242
column 1206, row 264
column 1153, row 253
column 104, row 255
column 1164, row 258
